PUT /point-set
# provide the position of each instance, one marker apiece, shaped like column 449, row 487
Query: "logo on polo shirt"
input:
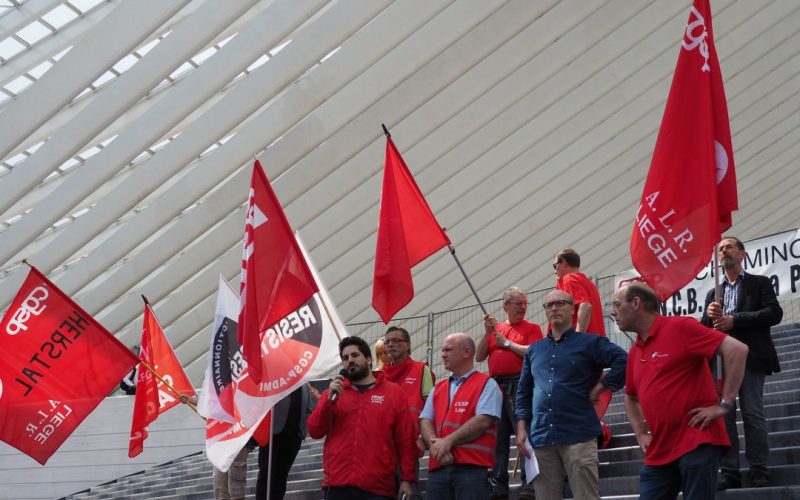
column 659, row 355
column 377, row 399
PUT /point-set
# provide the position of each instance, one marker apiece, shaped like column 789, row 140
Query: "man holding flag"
column 749, row 308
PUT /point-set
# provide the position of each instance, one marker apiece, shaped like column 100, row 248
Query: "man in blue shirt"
column 559, row 407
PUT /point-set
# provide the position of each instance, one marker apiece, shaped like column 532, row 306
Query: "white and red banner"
column 275, row 278
column 690, row 189
column 776, row 256
column 154, row 396
column 58, row 363
column 225, row 361
column 291, row 326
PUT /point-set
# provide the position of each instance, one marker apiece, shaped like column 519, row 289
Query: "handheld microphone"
column 343, row 373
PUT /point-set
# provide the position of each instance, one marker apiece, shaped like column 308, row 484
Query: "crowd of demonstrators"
column 670, row 396
column 368, row 428
column 749, row 308
column 552, row 390
column 505, row 344
column 558, row 386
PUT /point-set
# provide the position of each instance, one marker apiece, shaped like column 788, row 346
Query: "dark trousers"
column 506, row 427
column 284, row 451
column 458, row 482
column 348, row 493
column 695, row 473
column 756, row 440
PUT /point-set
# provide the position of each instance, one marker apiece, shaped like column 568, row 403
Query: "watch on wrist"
column 725, row 404
column 506, row 344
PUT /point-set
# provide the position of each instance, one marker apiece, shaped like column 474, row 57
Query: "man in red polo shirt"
column 504, row 344
column 588, row 315
column 670, row 398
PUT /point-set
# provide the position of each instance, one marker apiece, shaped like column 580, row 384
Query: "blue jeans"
column 695, row 473
column 459, row 482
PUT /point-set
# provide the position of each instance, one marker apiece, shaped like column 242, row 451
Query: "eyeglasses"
column 393, row 341
column 555, row 264
column 517, row 303
column 556, row 303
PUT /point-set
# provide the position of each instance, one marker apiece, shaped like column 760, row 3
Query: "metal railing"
column 428, row 331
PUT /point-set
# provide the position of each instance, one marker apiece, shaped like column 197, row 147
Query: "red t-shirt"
column 583, row 291
column 669, row 374
column 504, row 362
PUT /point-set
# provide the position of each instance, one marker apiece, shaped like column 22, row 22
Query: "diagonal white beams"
column 125, row 91
column 105, row 44
column 263, row 32
column 331, row 28
column 23, row 15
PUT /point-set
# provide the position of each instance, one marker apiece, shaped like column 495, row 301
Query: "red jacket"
column 372, row 432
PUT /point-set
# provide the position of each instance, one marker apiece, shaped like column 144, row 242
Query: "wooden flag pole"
column 464, row 273
column 169, row 386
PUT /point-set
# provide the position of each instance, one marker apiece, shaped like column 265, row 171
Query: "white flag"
column 225, row 360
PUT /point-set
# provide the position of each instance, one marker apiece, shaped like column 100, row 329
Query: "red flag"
column 275, row 277
column 153, row 397
column 58, row 363
column 690, row 190
column 407, row 234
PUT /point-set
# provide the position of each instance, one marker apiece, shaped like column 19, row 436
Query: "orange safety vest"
column 450, row 416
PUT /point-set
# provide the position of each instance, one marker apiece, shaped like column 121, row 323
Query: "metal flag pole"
column 718, row 375
column 469, row 283
column 269, row 460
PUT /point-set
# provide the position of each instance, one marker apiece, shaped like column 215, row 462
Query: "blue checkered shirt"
column 730, row 296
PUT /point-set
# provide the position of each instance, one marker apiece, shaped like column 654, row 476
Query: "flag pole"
column 718, row 375
column 269, row 460
column 167, row 384
column 460, row 267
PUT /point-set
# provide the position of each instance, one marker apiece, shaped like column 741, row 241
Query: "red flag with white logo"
column 690, row 189
column 275, row 278
column 154, row 396
column 407, row 234
column 58, row 363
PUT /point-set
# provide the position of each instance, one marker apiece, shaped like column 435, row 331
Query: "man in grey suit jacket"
column 288, row 433
column 749, row 308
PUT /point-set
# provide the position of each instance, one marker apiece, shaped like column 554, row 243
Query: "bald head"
column 559, row 307
column 458, row 352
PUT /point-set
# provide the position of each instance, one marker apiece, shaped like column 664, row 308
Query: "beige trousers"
column 578, row 461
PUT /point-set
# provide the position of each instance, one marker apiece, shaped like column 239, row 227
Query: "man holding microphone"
column 368, row 430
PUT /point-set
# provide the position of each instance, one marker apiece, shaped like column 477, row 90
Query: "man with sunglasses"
column 558, row 408
column 504, row 344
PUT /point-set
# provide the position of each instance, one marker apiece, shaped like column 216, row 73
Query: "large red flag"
column 407, row 234
column 275, row 278
column 58, row 363
column 690, row 190
column 153, row 397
